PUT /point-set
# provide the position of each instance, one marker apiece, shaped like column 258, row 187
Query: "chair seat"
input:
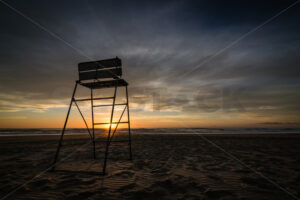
column 105, row 84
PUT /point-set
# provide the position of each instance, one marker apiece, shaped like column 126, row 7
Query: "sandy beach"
column 163, row 167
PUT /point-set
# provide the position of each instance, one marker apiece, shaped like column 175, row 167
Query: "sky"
column 188, row 63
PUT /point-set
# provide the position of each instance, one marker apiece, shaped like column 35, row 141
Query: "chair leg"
column 109, row 131
column 63, row 130
column 92, row 109
column 129, row 131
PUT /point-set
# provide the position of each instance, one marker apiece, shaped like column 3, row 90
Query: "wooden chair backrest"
column 108, row 68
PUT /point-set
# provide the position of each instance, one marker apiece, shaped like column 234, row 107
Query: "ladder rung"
column 109, row 123
column 93, row 99
column 116, row 104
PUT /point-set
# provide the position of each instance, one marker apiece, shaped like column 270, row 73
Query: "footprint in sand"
column 217, row 194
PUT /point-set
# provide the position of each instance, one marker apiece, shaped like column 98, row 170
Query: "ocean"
column 54, row 131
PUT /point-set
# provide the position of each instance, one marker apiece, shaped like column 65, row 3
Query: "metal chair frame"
column 96, row 71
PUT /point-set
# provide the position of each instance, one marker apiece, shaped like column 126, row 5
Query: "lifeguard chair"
column 99, row 75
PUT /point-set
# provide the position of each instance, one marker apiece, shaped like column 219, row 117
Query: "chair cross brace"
column 92, row 134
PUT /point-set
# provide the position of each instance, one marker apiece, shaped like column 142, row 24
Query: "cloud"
column 158, row 43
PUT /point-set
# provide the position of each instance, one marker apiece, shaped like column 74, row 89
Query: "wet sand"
column 163, row 167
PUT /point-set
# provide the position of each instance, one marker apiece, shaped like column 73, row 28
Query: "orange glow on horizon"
column 56, row 120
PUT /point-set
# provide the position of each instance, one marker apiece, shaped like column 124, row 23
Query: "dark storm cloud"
column 158, row 42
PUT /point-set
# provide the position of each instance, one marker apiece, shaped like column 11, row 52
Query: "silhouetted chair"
column 98, row 75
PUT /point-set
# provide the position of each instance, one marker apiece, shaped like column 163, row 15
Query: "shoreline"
column 206, row 134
